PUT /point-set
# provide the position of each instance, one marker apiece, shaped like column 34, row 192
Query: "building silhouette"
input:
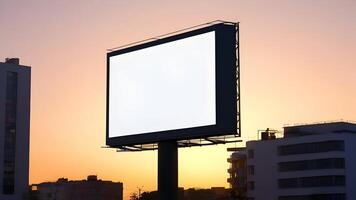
column 90, row 189
column 237, row 173
column 15, row 84
column 214, row 193
column 311, row 162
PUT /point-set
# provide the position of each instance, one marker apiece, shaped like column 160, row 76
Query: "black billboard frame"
column 228, row 117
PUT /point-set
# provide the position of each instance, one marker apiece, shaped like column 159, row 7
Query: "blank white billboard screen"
column 165, row 87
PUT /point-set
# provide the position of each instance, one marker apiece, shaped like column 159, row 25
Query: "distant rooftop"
column 14, row 61
column 90, row 179
column 320, row 128
column 320, row 122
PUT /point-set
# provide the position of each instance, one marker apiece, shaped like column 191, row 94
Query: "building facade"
column 15, row 84
column 237, row 172
column 89, row 189
column 311, row 162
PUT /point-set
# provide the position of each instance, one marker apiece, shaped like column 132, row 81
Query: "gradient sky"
column 298, row 66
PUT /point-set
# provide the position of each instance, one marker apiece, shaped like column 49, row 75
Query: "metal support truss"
column 183, row 143
column 238, row 70
column 171, row 33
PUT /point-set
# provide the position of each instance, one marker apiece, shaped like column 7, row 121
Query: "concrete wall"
column 350, row 149
column 265, row 170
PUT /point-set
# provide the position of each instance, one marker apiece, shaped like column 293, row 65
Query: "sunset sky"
column 298, row 65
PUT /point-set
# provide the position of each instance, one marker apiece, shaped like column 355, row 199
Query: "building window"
column 10, row 134
column 315, row 147
column 288, row 183
column 328, row 163
column 314, row 181
column 251, row 185
column 337, row 196
column 251, row 170
column 250, row 153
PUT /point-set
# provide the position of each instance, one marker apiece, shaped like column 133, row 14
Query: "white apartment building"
column 311, row 162
column 14, row 129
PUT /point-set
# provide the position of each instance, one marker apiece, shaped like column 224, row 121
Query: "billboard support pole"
column 168, row 170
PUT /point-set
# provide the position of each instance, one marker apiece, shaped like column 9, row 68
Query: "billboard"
column 174, row 88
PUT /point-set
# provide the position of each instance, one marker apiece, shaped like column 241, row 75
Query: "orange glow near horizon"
column 298, row 65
